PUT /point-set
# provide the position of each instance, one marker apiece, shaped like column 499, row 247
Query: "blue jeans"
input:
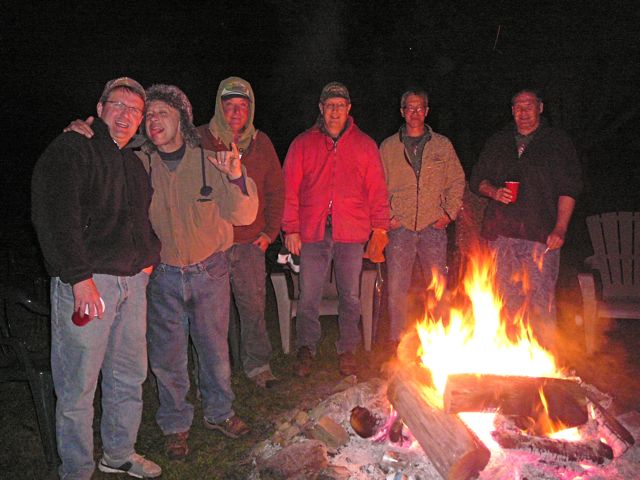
column 315, row 260
column 190, row 301
column 429, row 246
column 533, row 294
column 248, row 275
column 114, row 345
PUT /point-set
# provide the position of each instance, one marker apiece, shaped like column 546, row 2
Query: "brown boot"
column 304, row 362
column 176, row 446
column 232, row 427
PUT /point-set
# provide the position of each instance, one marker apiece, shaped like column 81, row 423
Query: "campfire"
column 469, row 395
column 474, row 384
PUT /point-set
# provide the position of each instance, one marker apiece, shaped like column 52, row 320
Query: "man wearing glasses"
column 90, row 202
column 335, row 196
column 426, row 183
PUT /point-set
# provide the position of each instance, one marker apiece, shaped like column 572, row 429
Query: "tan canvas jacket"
column 419, row 202
column 191, row 226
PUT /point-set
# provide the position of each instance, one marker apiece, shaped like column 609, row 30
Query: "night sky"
column 584, row 56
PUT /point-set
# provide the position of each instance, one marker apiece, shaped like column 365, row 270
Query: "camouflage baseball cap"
column 122, row 82
column 235, row 88
column 334, row 89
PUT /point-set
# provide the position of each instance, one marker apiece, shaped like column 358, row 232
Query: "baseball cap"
column 234, row 88
column 122, row 82
column 334, row 89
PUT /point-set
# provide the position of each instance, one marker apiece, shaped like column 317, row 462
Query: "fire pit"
column 478, row 397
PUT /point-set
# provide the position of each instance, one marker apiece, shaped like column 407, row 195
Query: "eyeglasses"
column 340, row 107
column 135, row 111
column 412, row 109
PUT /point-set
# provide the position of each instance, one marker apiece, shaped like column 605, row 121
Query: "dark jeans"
column 190, row 301
column 247, row 274
column 315, row 260
column 429, row 246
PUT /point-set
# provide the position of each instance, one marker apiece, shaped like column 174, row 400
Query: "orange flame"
column 476, row 340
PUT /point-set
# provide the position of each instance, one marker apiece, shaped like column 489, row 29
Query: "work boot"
column 264, row 379
column 348, row 365
column 176, row 446
column 304, row 362
column 232, row 427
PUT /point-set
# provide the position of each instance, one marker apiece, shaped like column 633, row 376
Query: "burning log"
column 564, row 400
column 454, row 450
column 592, row 450
column 609, row 428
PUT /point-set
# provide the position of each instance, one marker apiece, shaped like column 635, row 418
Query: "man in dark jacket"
column 528, row 231
column 90, row 202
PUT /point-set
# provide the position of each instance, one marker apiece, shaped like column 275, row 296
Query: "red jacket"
column 346, row 175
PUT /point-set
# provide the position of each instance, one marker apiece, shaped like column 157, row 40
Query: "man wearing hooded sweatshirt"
column 197, row 197
column 232, row 122
column 335, row 195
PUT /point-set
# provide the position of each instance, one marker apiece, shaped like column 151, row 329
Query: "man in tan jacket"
column 425, row 182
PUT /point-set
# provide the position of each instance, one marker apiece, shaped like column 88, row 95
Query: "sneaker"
column 232, row 427
column 176, row 446
column 304, row 363
column 135, row 466
column 348, row 365
column 264, row 379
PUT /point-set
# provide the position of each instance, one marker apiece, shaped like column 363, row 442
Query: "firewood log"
column 519, row 397
column 452, row 448
column 591, row 450
column 614, row 433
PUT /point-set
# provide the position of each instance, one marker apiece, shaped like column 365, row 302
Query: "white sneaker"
column 135, row 466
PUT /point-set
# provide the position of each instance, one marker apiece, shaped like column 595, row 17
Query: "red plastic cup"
column 513, row 187
column 82, row 320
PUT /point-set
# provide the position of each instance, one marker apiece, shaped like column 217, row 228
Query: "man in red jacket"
column 335, row 195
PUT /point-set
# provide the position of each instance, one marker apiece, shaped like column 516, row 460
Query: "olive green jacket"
column 417, row 201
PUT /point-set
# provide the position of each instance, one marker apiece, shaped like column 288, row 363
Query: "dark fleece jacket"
column 548, row 168
column 90, row 203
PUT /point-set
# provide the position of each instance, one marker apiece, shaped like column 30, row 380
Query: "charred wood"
column 591, row 450
column 520, row 397
column 614, row 433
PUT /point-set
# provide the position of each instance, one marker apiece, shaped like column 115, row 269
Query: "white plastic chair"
column 287, row 292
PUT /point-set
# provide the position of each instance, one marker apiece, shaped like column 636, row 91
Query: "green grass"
column 214, row 456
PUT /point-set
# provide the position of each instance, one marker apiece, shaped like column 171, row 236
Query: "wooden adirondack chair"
column 615, row 238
